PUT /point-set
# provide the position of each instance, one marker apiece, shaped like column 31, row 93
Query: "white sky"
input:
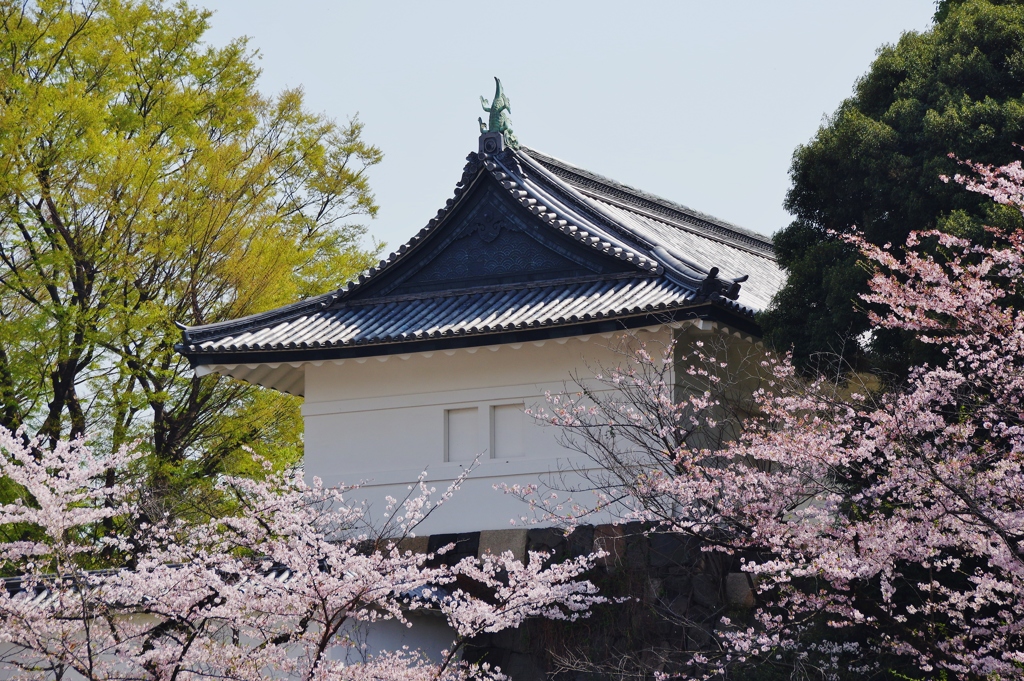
column 699, row 102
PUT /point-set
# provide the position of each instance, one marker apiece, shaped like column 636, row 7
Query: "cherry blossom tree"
column 273, row 589
column 884, row 530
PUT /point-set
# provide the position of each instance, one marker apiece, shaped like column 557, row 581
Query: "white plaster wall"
column 382, row 421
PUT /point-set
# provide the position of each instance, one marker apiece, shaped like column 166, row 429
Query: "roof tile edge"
column 740, row 236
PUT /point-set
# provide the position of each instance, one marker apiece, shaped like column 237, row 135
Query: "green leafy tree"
column 145, row 180
column 876, row 164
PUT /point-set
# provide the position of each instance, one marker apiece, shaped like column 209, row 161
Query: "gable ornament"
column 499, row 121
column 488, row 226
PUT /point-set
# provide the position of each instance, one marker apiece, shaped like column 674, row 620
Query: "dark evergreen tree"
column 876, row 163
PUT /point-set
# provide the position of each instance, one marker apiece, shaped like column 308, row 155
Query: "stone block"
column 637, row 546
column 581, row 541
column 705, row 591
column 497, row 542
column 522, row 667
column 698, row 638
column 679, row 608
column 611, row 539
column 465, row 545
column 670, row 549
column 547, row 539
column 676, row 585
column 493, row 655
column 653, row 592
column 738, row 590
column 414, row 544
column 652, row 659
column 515, row 640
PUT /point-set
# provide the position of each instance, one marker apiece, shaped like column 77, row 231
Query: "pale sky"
column 699, row 102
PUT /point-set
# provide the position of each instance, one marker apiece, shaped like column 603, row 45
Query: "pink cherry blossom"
column 882, row 528
column 272, row 590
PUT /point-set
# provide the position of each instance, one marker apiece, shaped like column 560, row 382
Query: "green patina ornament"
column 499, row 120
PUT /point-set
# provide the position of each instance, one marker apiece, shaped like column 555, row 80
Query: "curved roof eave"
column 317, row 326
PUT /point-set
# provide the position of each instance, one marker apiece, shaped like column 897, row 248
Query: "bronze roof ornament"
column 500, row 119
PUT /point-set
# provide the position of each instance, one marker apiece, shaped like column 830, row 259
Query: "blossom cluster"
column 883, row 528
column 273, row 589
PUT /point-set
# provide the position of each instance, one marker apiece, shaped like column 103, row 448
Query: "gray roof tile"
column 668, row 251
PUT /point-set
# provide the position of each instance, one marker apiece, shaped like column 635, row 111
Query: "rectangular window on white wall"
column 462, row 434
column 508, row 424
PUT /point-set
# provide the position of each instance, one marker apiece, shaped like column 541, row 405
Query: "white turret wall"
column 383, row 420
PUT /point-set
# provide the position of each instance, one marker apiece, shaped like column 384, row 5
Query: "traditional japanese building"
column 523, row 278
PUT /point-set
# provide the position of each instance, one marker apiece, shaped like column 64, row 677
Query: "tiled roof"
column 389, row 320
column 693, row 235
column 660, row 258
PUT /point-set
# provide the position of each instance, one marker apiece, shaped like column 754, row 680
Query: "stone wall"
column 671, row 597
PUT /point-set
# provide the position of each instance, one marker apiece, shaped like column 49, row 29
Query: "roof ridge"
column 582, row 205
column 667, row 208
column 558, row 218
